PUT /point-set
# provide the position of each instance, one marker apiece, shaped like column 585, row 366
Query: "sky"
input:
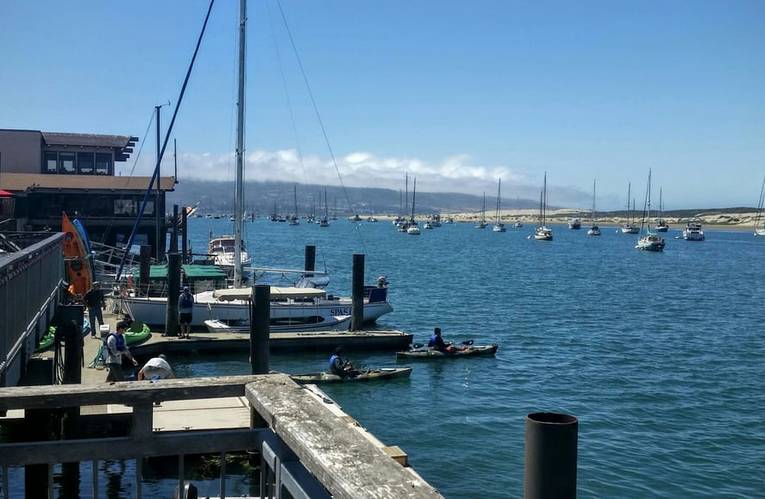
column 456, row 93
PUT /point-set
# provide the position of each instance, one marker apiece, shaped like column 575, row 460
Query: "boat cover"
column 276, row 293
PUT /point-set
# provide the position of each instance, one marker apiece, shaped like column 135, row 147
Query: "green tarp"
column 191, row 272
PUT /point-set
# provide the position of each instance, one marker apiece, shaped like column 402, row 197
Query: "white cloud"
column 458, row 173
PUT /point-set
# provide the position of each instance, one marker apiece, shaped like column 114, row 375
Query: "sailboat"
column 324, row 221
column 649, row 241
column 759, row 221
column 401, row 223
column 629, row 226
column 594, row 229
column 498, row 225
column 661, row 224
column 294, row 219
column 542, row 233
column 482, row 224
column 413, row 229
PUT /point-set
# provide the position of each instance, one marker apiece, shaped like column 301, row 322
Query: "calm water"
column 659, row 355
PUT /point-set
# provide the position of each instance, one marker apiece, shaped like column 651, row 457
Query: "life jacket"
column 186, row 301
column 432, row 341
column 332, row 360
column 120, row 342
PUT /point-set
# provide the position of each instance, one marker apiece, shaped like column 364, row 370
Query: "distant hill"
column 218, row 197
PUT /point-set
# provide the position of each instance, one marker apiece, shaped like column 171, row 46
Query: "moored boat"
column 498, row 225
column 693, row 231
column 542, row 232
column 383, row 373
column 426, row 353
column 650, row 241
column 594, row 230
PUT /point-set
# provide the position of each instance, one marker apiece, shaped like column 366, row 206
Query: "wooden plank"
column 126, row 393
column 166, row 444
column 347, row 464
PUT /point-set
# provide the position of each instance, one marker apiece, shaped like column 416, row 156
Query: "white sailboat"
column 498, row 225
column 759, row 221
column 482, row 224
column 629, row 226
column 649, row 241
column 661, row 224
column 294, row 219
column 542, row 232
column 413, row 229
column 324, row 221
column 594, row 230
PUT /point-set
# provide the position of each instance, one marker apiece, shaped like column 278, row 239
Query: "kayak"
column 370, row 375
column 430, row 353
column 131, row 337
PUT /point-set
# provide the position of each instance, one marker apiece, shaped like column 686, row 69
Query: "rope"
column 320, row 121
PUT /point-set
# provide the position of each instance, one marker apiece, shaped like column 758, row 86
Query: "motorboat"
column 289, row 305
column 303, row 324
column 222, row 251
column 427, row 225
column 693, row 231
column 575, row 224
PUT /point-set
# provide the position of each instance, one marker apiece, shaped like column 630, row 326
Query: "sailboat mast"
column 499, row 196
column 483, row 209
column 544, row 202
column 593, row 201
column 414, row 193
column 239, row 199
column 648, row 204
column 294, row 195
column 326, row 205
column 406, row 193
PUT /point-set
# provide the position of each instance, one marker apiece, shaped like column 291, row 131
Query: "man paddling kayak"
column 437, row 342
column 340, row 367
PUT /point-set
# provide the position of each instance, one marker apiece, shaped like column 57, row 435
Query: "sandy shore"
column 725, row 221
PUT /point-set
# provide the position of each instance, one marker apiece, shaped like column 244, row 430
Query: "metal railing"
column 29, row 284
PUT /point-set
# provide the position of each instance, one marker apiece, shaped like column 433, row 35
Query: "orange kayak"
column 76, row 258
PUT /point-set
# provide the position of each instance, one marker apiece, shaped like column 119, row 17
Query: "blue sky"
column 457, row 92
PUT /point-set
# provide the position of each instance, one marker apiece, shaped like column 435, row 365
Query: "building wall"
column 20, row 151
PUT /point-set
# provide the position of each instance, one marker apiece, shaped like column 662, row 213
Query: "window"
column 51, row 162
column 103, row 163
column 85, row 163
column 66, row 162
column 125, row 207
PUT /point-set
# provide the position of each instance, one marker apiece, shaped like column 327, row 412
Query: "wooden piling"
column 69, row 324
column 145, row 269
column 173, row 293
column 357, row 317
column 174, row 231
column 184, row 235
column 260, row 329
column 310, row 259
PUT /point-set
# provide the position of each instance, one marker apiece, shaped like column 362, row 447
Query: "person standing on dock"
column 185, row 311
column 116, row 347
column 156, row 368
column 94, row 300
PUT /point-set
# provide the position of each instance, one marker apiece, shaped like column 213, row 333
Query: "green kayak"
column 370, row 375
column 134, row 336
column 430, row 353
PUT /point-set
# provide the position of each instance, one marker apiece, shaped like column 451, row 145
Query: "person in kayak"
column 437, row 342
column 340, row 367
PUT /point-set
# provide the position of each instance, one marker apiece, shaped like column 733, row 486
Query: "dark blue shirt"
column 336, row 364
column 437, row 342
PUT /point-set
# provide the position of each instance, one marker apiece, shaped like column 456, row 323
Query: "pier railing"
column 29, row 285
column 305, row 448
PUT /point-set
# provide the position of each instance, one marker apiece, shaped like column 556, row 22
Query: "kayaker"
column 437, row 342
column 185, row 311
column 156, row 368
column 340, row 367
column 94, row 300
column 116, row 347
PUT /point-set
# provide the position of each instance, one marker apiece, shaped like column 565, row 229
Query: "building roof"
column 20, row 182
column 88, row 140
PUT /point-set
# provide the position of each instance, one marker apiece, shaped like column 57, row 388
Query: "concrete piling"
column 173, row 293
column 551, row 454
column 357, row 293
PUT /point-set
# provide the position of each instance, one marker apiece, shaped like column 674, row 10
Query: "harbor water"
column 660, row 356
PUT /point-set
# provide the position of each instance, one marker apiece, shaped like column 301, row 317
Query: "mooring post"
column 551, row 453
column 357, row 291
column 260, row 328
column 310, row 259
column 69, row 325
column 260, row 331
column 184, row 235
column 174, row 231
column 173, row 293
column 144, row 269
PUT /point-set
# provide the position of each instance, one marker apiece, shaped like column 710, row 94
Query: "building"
column 49, row 173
